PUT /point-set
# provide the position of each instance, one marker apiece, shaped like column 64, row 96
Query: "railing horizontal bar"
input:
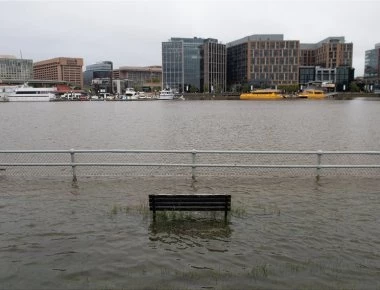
column 188, row 151
column 190, row 165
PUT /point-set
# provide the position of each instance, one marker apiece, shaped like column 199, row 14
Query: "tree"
column 354, row 87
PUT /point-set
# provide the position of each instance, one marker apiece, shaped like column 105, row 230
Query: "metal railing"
column 186, row 162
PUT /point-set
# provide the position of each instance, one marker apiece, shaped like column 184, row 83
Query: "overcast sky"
column 130, row 33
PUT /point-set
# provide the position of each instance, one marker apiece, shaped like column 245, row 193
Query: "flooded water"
column 224, row 125
column 282, row 233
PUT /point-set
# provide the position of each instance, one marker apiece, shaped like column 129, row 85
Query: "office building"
column 193, row 64
column 65, row 69
column 331, row 63
column 140, row 78
column 372, row 65
column 333, row 79
column 331, row 52
column 262, row 61
column 99, row 77
column 213, row 67
column 14, row 69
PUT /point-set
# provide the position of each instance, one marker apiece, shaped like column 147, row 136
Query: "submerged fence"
column 192, row 163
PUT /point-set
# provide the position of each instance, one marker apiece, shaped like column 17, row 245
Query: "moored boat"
column 312, row 94
column 30, row 94
column 166, row 94
column 131, row 94
column 5, row 91
column 265, row 94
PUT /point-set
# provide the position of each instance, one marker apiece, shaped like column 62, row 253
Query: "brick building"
column 60, row 69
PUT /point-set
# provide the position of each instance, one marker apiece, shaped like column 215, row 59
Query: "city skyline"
column 131, row 33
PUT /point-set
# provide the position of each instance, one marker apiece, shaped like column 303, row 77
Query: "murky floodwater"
column 282, row 233
column 285, row 233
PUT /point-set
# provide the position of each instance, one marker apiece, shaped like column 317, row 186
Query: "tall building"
column 331, row 52
column 12, row 68
column 262, row 61
column 60, row 69
column 193, row 64
column 213, row 67
column 372, row 64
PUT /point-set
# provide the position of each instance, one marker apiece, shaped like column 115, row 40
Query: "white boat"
column 29, row 94
column 131, row 94
column 166, row 94
column 5, row 91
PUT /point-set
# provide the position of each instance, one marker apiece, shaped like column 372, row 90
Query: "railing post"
column 194, row 155
column 319, row 160
column 72, row 152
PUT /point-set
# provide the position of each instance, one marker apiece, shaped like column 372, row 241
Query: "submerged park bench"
column 189, row 202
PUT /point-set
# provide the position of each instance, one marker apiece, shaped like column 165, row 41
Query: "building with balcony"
column 194, row 64
column 331, row 52
column 262, row 61
column 13, row 69
column 328, row 61
column 64, row 69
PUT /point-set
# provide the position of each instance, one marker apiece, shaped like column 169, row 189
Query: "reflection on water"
column 188, row 231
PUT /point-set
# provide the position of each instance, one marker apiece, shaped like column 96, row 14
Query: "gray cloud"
column 131, row 32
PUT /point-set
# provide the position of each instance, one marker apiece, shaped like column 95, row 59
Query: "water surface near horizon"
column 227, row 125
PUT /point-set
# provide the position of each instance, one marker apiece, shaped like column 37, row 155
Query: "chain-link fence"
column 193, row 163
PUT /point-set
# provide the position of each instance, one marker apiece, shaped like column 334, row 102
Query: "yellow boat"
column 266, row 94
column 312, row 94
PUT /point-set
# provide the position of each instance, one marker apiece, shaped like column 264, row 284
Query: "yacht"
column 166, row 94
column 131, row 94
column 30, row 94
column 5, row 91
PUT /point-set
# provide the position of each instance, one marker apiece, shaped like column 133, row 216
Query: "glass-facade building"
column 338, row 78
column 214, row 67
column 343, row 77
column 173, row 65
column 12, row 68
column 306, row 75
column 184, row 62
column 372, row 63
column 99, row 75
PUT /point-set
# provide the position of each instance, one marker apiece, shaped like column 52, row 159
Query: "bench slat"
column 190, row 202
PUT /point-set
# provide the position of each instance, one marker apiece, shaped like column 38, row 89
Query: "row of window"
column 275, row 44
column 276, row 76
